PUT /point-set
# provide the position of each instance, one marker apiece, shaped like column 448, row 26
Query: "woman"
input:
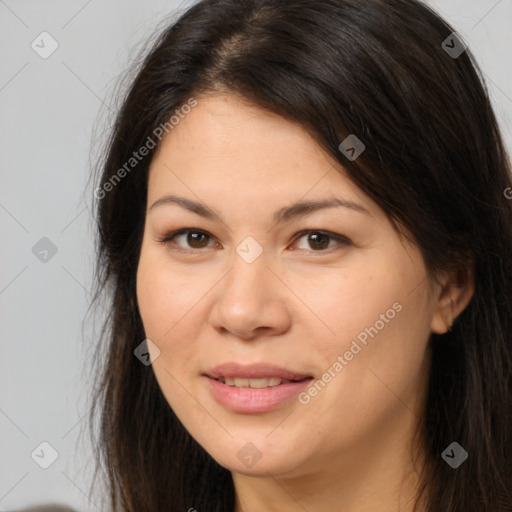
column 304, row 233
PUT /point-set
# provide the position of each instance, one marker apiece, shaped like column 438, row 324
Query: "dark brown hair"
column 434, row 161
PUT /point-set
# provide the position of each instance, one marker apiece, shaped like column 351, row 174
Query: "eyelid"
column 168, row 238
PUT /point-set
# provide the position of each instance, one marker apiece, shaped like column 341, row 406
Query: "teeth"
column 258, row 383
column 252, row 383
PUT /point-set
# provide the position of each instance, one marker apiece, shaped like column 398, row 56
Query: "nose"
column 251, row 301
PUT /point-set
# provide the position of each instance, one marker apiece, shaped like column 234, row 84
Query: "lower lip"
column 250, row 400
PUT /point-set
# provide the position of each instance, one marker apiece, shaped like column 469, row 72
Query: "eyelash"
column 168, row 238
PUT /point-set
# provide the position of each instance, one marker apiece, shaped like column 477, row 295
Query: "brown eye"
column 191, row 239
column 196, row 239
column 318, row 241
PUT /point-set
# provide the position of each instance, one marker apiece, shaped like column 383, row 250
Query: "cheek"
column 154, row 299
column 373, row 293
column 165, row 295
column 167, row 301
column 379, row 317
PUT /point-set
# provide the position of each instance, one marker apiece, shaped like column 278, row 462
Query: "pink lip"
column 249, row 400
column 254, row 371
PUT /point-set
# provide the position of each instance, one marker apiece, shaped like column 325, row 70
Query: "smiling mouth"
column 254, row 388
column 255, row 383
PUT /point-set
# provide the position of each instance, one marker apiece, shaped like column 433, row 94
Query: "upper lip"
column 254, row 371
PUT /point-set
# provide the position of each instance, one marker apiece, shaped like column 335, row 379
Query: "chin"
column 259, row 457
column 262, row 468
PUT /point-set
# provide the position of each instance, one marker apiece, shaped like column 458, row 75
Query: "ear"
column 457, row 289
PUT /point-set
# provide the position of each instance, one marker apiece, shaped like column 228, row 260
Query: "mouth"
column 231, row 372
column 239, row 382
column 255, row 388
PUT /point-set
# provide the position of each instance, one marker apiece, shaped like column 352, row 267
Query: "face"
column 288, row 337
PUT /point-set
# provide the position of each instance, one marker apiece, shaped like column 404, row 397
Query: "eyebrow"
column 298, row 209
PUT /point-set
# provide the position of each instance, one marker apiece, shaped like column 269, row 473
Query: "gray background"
column 54, row 113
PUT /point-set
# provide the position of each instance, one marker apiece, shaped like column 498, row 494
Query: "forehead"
column 222, row 126
column 227, row 149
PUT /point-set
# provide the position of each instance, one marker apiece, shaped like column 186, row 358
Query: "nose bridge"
column 249, row 297
column 249, row 273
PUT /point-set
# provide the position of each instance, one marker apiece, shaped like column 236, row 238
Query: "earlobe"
column 456, row 293
column 443, row 318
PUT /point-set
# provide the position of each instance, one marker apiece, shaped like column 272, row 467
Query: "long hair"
column 434, row 161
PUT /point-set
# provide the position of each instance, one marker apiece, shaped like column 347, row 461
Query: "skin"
column 297, row 305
